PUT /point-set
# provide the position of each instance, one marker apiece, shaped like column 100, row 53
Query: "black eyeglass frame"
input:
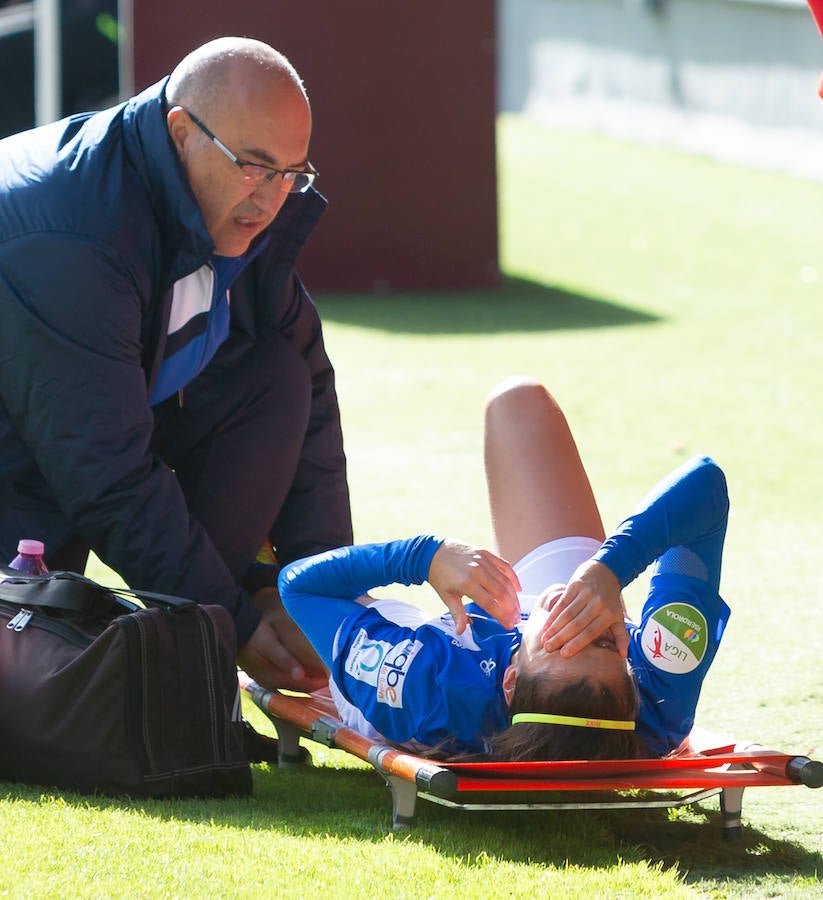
column 299, row 182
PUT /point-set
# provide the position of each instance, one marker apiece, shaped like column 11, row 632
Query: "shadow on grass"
column 516, row 306
column 691, row 839
column 355, row 804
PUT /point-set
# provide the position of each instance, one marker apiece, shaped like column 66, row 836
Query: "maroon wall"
column 403, row 97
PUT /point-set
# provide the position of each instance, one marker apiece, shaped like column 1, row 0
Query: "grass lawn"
column 673, row 306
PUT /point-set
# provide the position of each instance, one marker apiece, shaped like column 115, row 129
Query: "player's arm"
column 688, row 508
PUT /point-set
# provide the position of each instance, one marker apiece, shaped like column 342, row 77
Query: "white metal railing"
column 14, row 19
column 43, row 18
column 125, row 48
column 48, row 81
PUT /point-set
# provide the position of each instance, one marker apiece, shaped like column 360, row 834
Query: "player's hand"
column 278, row 654
column 589, row 605
column 458, row 570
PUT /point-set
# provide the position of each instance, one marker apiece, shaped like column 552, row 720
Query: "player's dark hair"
column 587, row 698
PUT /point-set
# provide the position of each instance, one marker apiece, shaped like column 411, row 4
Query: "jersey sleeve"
column 688, row 509
column 320, row 592
column 680, row 526
column 671, row 651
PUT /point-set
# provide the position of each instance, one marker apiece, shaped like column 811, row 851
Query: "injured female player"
column 544, row 663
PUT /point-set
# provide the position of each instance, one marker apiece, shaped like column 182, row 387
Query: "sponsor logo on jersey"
column 487, row 666
column 364, row 657
column 446, row 624
column 675, row 638
column 392, row 674
column 381, row 664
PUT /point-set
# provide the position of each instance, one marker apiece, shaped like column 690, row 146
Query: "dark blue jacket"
column 97, row 223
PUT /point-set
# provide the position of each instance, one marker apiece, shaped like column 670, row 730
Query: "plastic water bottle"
column 29, row 558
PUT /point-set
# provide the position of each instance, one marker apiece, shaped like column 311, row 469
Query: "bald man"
column 165, row 396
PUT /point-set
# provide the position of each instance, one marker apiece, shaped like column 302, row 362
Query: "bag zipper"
column 24, row 617
column 19, row 622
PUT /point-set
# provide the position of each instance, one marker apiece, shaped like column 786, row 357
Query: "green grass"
column 673, row 306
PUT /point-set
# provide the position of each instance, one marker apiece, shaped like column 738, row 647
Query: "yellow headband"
column 545, row 718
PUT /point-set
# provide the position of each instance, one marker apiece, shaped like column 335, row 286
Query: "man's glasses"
column 293, row 181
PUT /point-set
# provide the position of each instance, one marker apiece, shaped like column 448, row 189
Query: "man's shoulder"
column 67, row 177
column 111, row 178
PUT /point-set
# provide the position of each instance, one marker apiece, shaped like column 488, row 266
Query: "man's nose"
column 269, row 196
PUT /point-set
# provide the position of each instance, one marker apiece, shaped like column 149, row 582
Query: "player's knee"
column 516, row 398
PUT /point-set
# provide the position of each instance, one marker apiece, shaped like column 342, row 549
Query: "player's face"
column 600, row 659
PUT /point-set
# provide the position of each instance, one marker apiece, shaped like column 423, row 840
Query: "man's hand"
column 458, row 570
column 278, row 654
column 590, row 604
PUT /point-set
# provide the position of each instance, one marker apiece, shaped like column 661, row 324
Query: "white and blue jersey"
column 425, row 684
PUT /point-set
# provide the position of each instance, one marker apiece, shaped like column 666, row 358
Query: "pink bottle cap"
column 30, row 547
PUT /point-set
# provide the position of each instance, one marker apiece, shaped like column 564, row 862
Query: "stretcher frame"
column 705, row 766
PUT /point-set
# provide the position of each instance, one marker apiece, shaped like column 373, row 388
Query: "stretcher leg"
column 731, row 807
column 290, row 754
column 404, row 800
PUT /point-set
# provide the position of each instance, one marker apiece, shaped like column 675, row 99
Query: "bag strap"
column 71, row 592
column 169, row 601
column 58, row 590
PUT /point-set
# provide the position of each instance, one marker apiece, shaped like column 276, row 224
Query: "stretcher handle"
column 802, row 770
column 797, row 769
column 427, row 776
column 386, row 759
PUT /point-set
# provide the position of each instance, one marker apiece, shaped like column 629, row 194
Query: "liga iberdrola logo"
column 674, row 639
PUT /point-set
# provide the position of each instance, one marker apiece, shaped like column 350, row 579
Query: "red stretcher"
column 707, row 765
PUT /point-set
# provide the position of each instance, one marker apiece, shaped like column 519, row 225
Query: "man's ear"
column 178, row 124
column 509, row 680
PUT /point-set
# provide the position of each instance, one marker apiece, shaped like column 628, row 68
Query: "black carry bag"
column 101, row 695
